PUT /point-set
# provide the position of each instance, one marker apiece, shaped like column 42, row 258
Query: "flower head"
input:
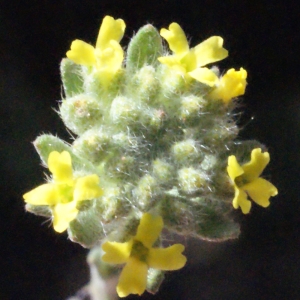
column 247, row 182
column 107, row 56
column 139, row 255
column 188, row 61
column 231, row 85
column 65, row 191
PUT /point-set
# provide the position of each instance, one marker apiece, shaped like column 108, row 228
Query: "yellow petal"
column 87, row 188
column 60, row 165
column 176, row 39
column 110, row 29
column 209, row 51
column 260, row 191
column 189, row 61
column 167, row 259
column 204, row 75
column 45, row 194
column 82, row 53
column 109, row 61
column 256, row 165
column 172, row 62
column 149, row 229
column 234, row 169
column 231, row 85
column 117, row 56
column 63, row 214
column 133, row 278
column 116, row 253
column 240, row 200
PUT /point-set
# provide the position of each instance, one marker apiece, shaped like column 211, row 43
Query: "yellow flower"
column 231, row 85
column 247, row 182
column 65, row 191
column 188, row 61
column 139, row 255
column 107, row 56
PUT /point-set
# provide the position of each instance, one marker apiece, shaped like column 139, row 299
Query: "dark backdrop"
column 261, row 36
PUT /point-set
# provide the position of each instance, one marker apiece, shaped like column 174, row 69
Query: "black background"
column 261, row 36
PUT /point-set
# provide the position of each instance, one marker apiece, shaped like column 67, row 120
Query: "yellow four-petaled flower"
column 63, row 194
column 188, row 61
column 107, row 56
column 138, row 254
column 247, row 182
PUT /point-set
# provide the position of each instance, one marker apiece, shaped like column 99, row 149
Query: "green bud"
column 81, row 113
column 120, row 166
column 157, row 118
column 163, row 171
column 145, row 191
column 209, row 162
column 219, row 133
column 186, row 151
column 191, row 180
column 191, row 107
column 125, row 141
column 93, row 144
column 112, row 204
column 172, row 83
column 144, row 84
column 144, row 49
column 124, row 110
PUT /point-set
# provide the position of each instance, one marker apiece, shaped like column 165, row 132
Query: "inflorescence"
column 154, row 134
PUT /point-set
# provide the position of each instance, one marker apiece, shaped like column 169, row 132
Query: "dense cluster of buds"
column 155, row 147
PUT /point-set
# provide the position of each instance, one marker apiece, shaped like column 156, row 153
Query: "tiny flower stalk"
column 138, row 254
column 152, row 130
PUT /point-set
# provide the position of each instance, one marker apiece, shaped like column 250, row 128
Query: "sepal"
column 86, row 229
column 144, row 49
column 39, row 210
column 71, row 76
column 154, row 280
column 46, row 143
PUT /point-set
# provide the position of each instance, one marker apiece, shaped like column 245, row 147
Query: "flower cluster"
column 247, row 182
column 65, row 191
column 139, row 254
column 156, row 127
column 107, row 58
